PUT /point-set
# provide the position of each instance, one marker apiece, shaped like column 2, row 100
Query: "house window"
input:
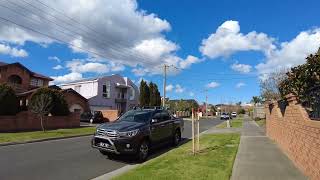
column 131, row 93
column 36, row 82
column 77, row 88
column 106, row 89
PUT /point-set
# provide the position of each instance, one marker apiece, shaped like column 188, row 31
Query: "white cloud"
column 240, row 84
column 191, row 94
column 227, row 40
column 55, row 58
column 77, row 65
column 291, row 53
column 118, row 31
column 242, row 68
column 176, row 88
column 179, row 89
column 57, row 67
column 140, row 71
column 66, row 78
column 169, row 87
column 12, row 51
column 189, row 61
column 213, row 85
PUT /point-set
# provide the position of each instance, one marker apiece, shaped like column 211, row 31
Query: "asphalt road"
column 65, row 159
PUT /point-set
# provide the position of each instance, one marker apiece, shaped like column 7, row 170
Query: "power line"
column 67, row 34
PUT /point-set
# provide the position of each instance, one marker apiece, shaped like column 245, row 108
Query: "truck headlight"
column 129, row 133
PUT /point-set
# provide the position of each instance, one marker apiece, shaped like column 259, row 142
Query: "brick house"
column 25, row 82
column 20, row 78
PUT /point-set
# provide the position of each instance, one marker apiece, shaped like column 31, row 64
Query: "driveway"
column 64, row 159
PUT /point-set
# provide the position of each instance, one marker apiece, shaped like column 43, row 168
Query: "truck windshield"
column 136, row 116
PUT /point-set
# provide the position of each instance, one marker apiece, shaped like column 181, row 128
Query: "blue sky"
column 226, row 47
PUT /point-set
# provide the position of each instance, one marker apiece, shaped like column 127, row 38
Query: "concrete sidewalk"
column 259, row 158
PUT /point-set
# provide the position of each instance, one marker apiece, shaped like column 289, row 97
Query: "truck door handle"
column 162, row 125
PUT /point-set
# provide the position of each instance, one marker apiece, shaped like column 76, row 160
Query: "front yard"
column 38, row 135
column 235, row 123
column 215, row 161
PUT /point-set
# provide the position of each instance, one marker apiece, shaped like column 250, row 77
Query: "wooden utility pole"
column 193, row 132
column 164, row 84
column 206, row 103
column 198, row 132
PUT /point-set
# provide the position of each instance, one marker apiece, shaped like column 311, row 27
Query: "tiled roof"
column 31, row 72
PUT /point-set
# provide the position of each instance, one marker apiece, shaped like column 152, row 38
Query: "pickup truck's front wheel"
column 110, row 155
column 176, row 138
column 143, row 151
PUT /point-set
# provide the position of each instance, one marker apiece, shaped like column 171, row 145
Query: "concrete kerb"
column 42, row 140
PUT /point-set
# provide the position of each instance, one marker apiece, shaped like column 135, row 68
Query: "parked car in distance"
column 224, row 116
column 136, row 131
column 233, row 114
column 96, row 117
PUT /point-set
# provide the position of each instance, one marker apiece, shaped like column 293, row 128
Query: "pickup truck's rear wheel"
column 176, row 138
column 143, row 151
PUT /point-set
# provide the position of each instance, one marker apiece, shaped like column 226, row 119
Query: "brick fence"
column 296, row 134
column 27, row 121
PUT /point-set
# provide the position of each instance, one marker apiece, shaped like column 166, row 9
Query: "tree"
column 239, row 103
column 59, row 104
column 256, row 100
column 41, row 105
column 9, row 104
column 144, row 94
column 155, row 98
column 269, row 87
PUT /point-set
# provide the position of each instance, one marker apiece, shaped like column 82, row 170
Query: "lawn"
column 215, row 161
column 261, row 122
column 37, row 135
column 235, row 123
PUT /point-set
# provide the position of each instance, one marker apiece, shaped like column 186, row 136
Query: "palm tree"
column 256, row 100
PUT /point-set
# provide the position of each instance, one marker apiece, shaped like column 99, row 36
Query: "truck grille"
column 108, row 133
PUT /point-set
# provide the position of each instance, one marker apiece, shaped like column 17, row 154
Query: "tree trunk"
column 42, row 126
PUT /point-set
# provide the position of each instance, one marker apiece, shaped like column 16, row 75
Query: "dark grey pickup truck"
column 136, row 131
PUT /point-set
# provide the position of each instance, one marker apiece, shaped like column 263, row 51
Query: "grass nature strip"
column 38, row 135
column 215, row 161
column 235, row 123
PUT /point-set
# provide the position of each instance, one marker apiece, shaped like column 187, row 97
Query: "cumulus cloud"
column 291, row 53
column 179, row 89
column 57, row 67
column 176, row 88
column 188, row 62
column 73, row 76
column 242, row 68
column 169, row 87
column 113, row 30
column 191, row 94
column 12, row 51
column 213, row 85
column 240, row 84
column 228, row 39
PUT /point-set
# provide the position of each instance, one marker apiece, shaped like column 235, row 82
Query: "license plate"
column 104, row 144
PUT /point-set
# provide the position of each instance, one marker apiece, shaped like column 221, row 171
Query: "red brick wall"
column 26, row 120
column 297, row 135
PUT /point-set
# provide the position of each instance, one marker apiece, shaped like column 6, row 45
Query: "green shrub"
column 59, row 104
column 241, row 111
column 257, row 119
column 9, row 103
